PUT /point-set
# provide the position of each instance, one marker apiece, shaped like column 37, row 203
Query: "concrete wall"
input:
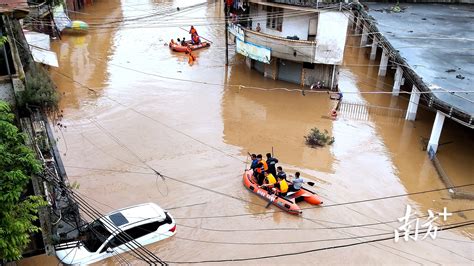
column 294, row 72
column 6, row 91
column 321, row 73
column 293, row 25
column 331, row 37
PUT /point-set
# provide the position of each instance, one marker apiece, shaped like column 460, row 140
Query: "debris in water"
column 451, row 70
column 460, row 76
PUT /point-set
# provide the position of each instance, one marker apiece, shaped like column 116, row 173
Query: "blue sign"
column 253, row 51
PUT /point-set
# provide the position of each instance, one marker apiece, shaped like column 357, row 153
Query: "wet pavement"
column 132, row 107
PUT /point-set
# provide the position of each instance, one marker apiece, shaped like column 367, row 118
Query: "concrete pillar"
column 436, row 132
column 383, row 63
column 271, row 70
column 373, row 49
column 397, row 81
column 363, row 38
column 248, row 62
column 413, row 104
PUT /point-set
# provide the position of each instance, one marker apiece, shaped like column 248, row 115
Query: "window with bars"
column 274, row 18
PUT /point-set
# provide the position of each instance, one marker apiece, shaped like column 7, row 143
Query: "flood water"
column 129, row 105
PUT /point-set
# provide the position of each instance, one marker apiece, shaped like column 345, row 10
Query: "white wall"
column 294, row 25
column 331, row 37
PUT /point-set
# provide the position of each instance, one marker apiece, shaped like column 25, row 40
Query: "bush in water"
column 317, row 138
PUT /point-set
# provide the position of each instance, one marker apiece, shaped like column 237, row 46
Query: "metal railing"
column 366, row 112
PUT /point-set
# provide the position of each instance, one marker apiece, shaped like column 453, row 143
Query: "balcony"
column 39, row 10
column 294, row 50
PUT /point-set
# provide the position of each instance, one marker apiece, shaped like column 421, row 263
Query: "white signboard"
column 237, row 31
column 253, row 51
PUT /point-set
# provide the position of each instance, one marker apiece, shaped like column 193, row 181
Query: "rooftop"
column 134, row 214
column 436, row 40
column 7, row 6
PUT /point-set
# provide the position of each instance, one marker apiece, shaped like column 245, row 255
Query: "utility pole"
column 226, row 35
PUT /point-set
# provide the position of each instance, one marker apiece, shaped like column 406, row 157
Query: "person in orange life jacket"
column 265, row 165
column 271, row 162
column 191, row 57
column 282, row 187
column 195, row 39
column 193, row 31
column 260, row 173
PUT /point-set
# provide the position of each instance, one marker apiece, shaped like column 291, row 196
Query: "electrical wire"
column 268, row 212
column 131, row 243
column 450, row 227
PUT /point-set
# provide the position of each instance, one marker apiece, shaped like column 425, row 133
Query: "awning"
column 43, row 56
column 39, row 46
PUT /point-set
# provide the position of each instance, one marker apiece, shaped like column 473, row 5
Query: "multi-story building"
column 296, row 41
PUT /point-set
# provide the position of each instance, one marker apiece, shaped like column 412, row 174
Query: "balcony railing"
column 40, row 10
column 308, row 3
column 295, row 50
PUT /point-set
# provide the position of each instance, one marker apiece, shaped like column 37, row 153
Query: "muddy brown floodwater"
column 125, row 104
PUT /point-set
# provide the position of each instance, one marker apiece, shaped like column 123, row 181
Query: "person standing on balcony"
column 258, row 29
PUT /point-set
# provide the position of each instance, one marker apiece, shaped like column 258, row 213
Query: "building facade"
column 299, row 42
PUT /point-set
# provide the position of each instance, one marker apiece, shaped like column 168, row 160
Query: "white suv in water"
column 112, row 234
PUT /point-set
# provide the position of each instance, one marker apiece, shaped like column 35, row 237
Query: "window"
column 95, row 235
column 274, row 18
column 132, row 233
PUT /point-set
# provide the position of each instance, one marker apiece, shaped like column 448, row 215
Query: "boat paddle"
column 270, row 202
column 198, row 35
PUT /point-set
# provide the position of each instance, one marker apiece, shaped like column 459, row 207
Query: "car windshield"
column 95, row 235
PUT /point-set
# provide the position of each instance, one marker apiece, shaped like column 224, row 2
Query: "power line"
column 445, row 228
column 126, row 239
column 325, row 206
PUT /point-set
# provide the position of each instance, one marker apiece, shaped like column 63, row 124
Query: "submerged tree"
column 317, row 138
column 17, row 211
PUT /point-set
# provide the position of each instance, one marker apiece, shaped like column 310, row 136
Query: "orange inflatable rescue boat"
column 287, row 203
column 180, row 48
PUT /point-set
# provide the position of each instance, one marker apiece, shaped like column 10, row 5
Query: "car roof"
column 126, row 217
